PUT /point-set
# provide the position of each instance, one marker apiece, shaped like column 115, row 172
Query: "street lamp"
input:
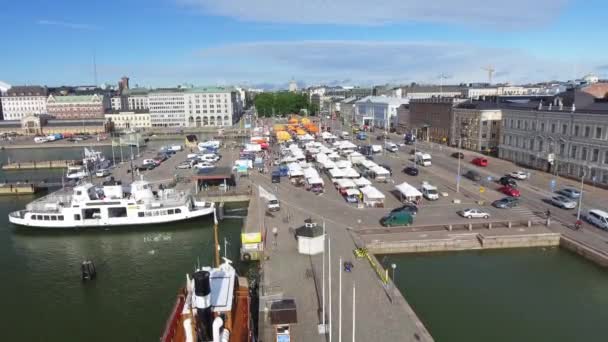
column 458, row 176
column 580, row 198
column 394, row 266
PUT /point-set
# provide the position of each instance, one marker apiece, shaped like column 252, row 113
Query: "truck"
column 409, row 138
column 422, row 158
column 429, row 191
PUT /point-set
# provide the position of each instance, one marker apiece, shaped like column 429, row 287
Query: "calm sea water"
column 545, row 294
column 140, row 270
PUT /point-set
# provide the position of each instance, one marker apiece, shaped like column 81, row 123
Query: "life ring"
column 246, row 257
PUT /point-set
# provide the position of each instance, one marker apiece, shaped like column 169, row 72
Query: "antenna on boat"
column 215, row 239
column 226, row 248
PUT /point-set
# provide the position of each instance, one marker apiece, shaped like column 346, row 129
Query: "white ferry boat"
column 87, row 205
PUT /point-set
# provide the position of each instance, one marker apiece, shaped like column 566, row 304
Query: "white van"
column 148, row 162
column 273, row 203
column 423, row 159
column 391, row 147
column 40, row 140
column 429, row 191
column 212, row 158
column 175, row 148
column 344, row 135
column 597, row 218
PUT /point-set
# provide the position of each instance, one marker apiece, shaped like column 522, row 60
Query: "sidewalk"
column 298, row 276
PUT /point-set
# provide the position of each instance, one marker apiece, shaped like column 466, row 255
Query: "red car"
column 507, row 190
column 480, row 162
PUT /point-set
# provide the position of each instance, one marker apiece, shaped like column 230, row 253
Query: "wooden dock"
column 35, row 165
column 18, row 189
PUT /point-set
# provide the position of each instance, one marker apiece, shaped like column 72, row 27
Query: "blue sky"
column 267, row 42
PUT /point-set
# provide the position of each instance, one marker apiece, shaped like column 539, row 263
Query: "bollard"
column 529, row 223
column 490, row 225
column 509, row 224
column 470, row 226
column 450, row 227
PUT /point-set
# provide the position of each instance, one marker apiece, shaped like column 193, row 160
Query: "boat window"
column 60, row 217
column 78, row 192
column 170, row 211
column 33, row 217
column 148, row 213
column 77, row 217
column 39, row 217
column 117, row 212
column 141, row 214
column 91, row 213
column 178, row 211
column 155, row 213
column 46, row 217
column 53, row 218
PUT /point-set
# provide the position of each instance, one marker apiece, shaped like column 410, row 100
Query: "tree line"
column 283, row 103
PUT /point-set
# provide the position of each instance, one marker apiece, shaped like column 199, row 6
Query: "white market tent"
column 336, row 173
column 288, row 159
column 380, row 171
column 315, row 180
column 328, row 164
column 408, row 192
column 333, row 156
column 343, row 164
column 306, row 137
column 372, row 197
column 356, row 157
column 345, row 145
column 368, row 164
column 352, row 192
column 345, row 183
column 310, row 173
column 361, row 182
column 351, row 173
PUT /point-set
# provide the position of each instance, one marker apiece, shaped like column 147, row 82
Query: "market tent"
column 345, row 144
column 372, row 196
column 288, row 159
column 368, row 164
column 345, row 183
column 328, row 164
column 356, row 158
column 333, row 156
column 361, row 182
column 336, row 173
column 380, row 171
column 310, row 173
column 351, row 173
column 342, row 164
column 306, row 137
column 408, row 192
column 352, row 192
column 315, row 180
column 321, row 157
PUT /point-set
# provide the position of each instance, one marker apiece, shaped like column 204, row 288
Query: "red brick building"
column 76, row 106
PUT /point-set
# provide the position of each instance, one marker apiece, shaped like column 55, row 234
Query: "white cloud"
column 73, row 26
column 497, row 14
column 369, row 62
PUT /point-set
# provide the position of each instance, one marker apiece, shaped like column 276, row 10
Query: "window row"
column 577, row 130
column 159, row 212
column 47, row 217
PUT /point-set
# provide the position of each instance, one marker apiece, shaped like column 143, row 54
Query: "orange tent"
column 305, row 121
column 279, row 127
column 293, row 120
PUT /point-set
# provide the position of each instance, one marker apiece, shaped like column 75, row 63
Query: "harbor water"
column 545, row 294
column 140, row 270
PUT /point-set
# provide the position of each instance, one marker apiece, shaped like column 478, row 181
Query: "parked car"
column 408, row 207
column 203, row 165
column 597, row 218
column 391, row 147
column 102, row 173
column 507, row 181
column 509, row 191
column 148, row 162
column 563, row 202
column 474, row 213
column 473, row 175
column 458, row 155
column 412, row 171
column 480, row 161
column 507, row 202
column 569, row 192
column 276, row 177
column 518, row 175
column 397, row 218
column 184, row 165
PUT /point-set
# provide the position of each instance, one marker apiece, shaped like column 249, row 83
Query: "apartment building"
column 21, row 101
column 77, row 106
column 476, row 126
column 128, row 120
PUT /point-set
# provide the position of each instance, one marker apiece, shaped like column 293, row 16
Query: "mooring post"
column 470, row 226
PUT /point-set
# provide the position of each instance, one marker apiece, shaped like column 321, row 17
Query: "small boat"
column 213, row 306
column 76, row 172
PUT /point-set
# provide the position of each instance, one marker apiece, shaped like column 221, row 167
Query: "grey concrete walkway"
column 382, row 314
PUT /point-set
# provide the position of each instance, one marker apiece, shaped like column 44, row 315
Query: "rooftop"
column 75, row 98
column 396, row 101
column 27, row 91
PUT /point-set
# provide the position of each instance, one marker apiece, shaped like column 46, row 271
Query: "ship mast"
column 216, row 243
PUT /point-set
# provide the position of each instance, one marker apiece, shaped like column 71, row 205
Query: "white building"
column 476, row 93
column 212, row 106
column 167, row 108
column 126, row 120
column 131, row 99
column 21, row 101
column 4, row 87
column 293, row 86
column 116, row 102
column 378, row 111
column 476, row 126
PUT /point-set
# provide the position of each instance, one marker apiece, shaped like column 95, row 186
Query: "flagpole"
column 354, row 310
column 330, row 289
column 340, row 301
column 323, row 291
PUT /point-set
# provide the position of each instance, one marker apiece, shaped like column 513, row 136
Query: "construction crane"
column 490, row 69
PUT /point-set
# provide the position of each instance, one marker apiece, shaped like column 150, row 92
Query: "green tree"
column 280, row 103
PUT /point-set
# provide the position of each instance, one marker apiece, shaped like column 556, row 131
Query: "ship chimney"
column 202, row 301
column 573, row 107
